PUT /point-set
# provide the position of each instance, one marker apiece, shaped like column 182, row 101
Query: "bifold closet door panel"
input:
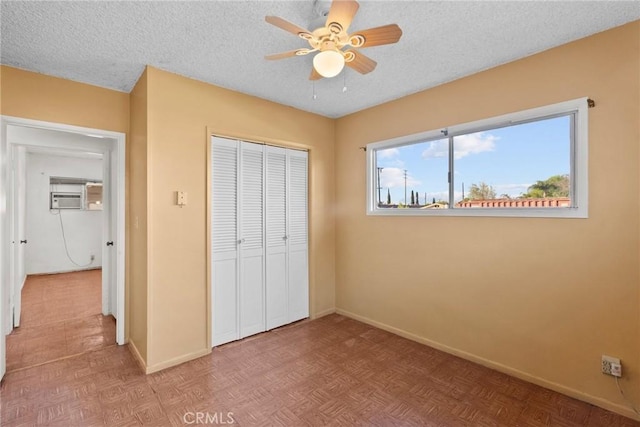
column 259, row 238
column 252, row 256
column 276, row 237
column 225, row 302
column 298, row 252
column 224, row 237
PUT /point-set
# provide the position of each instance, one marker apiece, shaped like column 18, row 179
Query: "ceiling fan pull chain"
column 344, row 86
column 314, row 90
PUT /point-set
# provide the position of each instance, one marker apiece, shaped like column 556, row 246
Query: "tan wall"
column 180, row 111
column 39, row 97
column 495, row 289
column 137, row 231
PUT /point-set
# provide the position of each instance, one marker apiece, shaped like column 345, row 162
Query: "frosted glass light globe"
column 328, row 63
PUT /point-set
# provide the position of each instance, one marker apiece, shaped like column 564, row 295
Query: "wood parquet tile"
column 333, row 371
column 61, row 317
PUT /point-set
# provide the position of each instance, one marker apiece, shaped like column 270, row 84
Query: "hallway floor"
column 331, row 371
column 61, row 317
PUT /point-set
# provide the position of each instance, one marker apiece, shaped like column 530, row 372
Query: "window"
column 93, row 196
column 531, row 163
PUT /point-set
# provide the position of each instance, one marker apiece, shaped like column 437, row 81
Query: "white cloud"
column 464, row 145
column 473, row 143
column 439, row 148
column 394, row 177
column 388, row 153
column 397, row 163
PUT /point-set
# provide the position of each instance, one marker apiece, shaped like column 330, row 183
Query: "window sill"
column 485, row 212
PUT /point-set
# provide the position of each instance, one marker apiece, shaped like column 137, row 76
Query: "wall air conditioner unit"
column 63, row 200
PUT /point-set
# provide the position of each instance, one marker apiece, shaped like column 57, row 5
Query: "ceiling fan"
column 337, row 48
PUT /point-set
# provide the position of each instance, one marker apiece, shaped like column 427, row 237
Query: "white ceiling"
column 224, row 42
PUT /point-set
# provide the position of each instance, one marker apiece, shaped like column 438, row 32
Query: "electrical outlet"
column 93, row 257
column 611, row 366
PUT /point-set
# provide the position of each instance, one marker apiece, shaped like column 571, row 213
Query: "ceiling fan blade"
column 378, row 36
column 285, row 25
column 342, row 12
column 314, row 74
column 283, row 55
column 361, row 63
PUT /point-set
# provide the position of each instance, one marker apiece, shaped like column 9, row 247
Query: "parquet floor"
column 61, row 317
column 332, row 371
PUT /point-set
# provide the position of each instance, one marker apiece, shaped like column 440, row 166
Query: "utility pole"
column 463, row 191
column 405, row 187
column 379, row 187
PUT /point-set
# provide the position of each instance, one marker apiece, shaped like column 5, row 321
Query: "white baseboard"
column 323, row 313
column 136, row 355
column 177, row 361
column 96, row 267
column 597, row 401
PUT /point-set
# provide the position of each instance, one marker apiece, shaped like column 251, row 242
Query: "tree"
column 413, row 198
column 433, row 201
column 388, row 197
column 417, row 198
column 555, row 186
column 481, row 191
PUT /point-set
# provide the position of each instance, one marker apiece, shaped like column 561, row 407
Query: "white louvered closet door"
column 224, row 240
column 251, row 242
column 276, row 233
column 298, row 252
column 259, row 243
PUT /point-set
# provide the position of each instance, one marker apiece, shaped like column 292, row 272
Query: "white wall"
column 45, row 252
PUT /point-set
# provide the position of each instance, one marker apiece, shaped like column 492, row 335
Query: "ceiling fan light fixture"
column 328, row 63
column 331, row 35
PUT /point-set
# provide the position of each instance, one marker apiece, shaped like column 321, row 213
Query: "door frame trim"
column 118, row 165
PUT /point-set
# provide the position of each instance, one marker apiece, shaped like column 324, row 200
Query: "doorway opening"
column 28, row 244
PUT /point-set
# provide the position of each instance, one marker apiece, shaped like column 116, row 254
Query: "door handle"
column 285, row 237
column 109, row 243
column 23, row 241
column 241, row 241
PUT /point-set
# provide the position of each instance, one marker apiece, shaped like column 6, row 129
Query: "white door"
column 298, row 262
column 108, row 251
column 251, row 247
column 5, row 248
column 20, row 236
column 276, row 232
column 224, row 240
column 15, row 297
column 259, row 245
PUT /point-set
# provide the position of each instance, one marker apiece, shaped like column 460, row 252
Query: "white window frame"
column 579, row 151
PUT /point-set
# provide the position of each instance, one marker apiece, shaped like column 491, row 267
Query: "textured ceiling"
column 224, row 42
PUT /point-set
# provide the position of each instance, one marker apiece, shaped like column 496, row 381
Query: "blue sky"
column 510, row 159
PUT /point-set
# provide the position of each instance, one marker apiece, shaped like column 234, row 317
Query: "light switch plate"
column 181, row 198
